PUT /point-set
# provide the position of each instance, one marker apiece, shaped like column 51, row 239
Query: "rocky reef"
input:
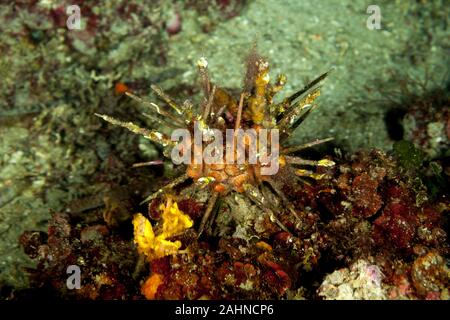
column 389, row 245
column 367, row 226
column 334, row 223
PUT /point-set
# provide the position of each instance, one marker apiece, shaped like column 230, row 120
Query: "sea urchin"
column 244, row 167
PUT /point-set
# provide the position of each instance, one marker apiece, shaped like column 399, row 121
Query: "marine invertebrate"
column 151, row 285
column 243, row 170
column 157, row 246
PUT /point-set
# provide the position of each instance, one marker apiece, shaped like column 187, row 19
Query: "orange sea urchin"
column 253, row 112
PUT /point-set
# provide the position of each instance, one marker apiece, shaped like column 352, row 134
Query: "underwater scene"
column 224, row 150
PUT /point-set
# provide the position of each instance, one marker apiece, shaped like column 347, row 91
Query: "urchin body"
column 253, row 113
